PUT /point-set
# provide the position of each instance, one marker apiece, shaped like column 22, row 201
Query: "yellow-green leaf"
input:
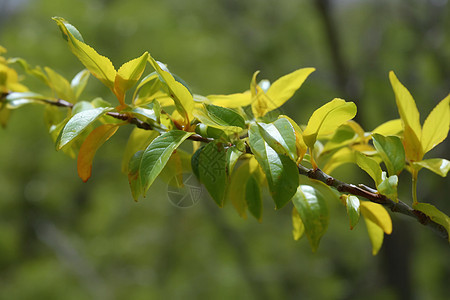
column 90, row 146
column 184, row 102
column 128, row 75
column 439, row 166
column 299, row 142
column 260, row 101
column 411, row 143
column 377, row 214
column 283, row 88
column 436, row 126
column 100, row 66
column 406, row 105
column 435, row 215
column 392, row 127
column 327, row 119
column 369, row 165
column 353, row 210
column 232, row 100
column 297, row 224
column 60, row 86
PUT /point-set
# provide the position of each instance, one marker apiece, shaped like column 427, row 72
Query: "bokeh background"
column 64, row 239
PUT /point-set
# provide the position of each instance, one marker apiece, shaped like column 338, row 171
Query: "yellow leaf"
column 327, row 119
column 283, row 88
column 436, row 126
column 406, row 106
column 376, row 235
column 378, row 215
column 128, row 75
column 184, row 102
column 100, row 66
column 90, row 146
column 232, row 100
column 260, row 102
column 411, row 143
column 392, row 127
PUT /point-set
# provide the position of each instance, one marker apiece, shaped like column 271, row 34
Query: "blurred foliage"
column 61, row 238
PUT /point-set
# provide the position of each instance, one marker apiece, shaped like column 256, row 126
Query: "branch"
column 372, row 195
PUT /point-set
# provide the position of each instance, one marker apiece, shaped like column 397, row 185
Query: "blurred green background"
column 64, row 239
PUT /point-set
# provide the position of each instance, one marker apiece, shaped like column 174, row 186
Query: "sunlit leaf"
column 411, row 144
column 100, row 66
column 261, row 103
column 212, row 162
column 313, row 211
column 327, row 119
column 436, row 126
column 340, row 157
column 439, row 166
column 128, row 75
column 15, row 100
column 435, row 215
column 376, row 235
column 232, row 100
column 391, row 150
column 157, row 154
column 406, row 106
column 377, row 214
column 90, row 146
column 281, row 172
column 392, row 127
column 78, row 123
column 370, row 166
column 79, row 82
column 284, row 88
column 60, row 86
column 298, row 229
column 181, row 96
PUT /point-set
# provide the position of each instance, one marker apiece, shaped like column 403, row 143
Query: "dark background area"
column 62, row 238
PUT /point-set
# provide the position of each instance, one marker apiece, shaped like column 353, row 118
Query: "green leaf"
column 238, row 182
column 79, row 82
column 157, row 154
column 406, row 106
column 78, row 123
column 100, row 66
column 284, row 88
column 128, row 75
column 313, row 211
column 391, row 151
column 435, row 215
column 253, row 197
column 139, row 139
column 327, row 119
column 299, row 142
column 439, row 166
column 377, row 214
column 90, row 146
column 133, row 174
column 436, row 126
column 233, row 154
column 298, row 229
column 212, row 163
column 210, row 132
column 280, row 135
column 281, row 172
column 388, row 186
column 224, row 116
column 184, row 102
column 353, row 211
